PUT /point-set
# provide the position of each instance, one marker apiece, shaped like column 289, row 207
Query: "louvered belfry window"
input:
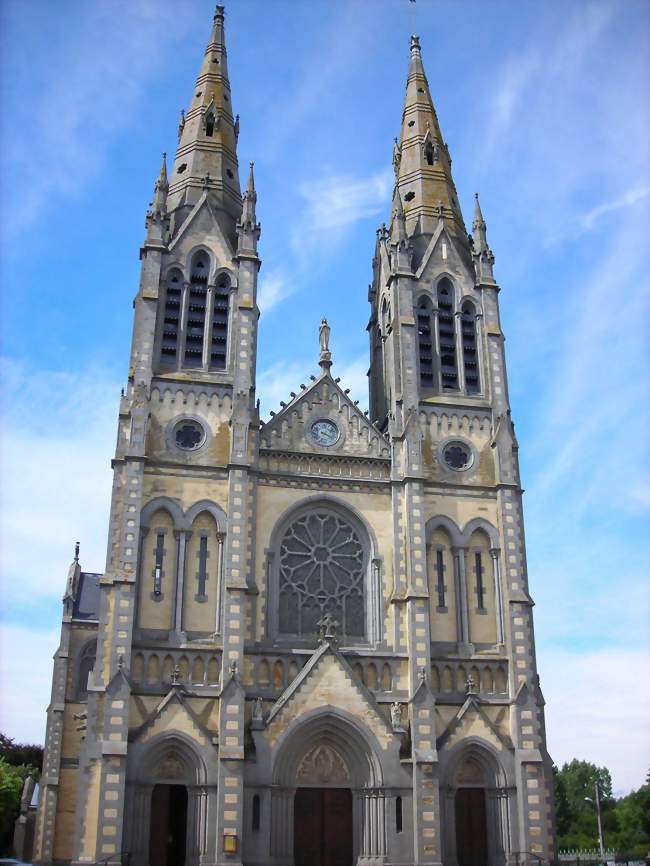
column 172, row 316
column 197, row 301
column 447, row 336
column 425, row 342
column 322, row 565
column 470, row 357
column 219, row 332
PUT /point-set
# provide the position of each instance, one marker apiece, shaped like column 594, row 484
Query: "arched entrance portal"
column 322, row 812
column 166, row 810
column 328, row 802
column 476, row 810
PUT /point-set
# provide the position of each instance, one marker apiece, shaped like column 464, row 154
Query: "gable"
column 173, row 715
column 442, row 256
column 329, row 683
column 292, row 428
column 201, row 226
column 471, row 721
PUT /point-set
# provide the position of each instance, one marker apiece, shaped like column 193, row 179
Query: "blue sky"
column 545, row 108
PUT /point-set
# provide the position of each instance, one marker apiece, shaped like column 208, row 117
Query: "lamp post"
column 600, row 823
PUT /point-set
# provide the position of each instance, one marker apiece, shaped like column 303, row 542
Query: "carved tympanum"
column 322, row 764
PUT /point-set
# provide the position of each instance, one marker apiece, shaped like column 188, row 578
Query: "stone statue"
column 324, row 336
column 258, row 710
column 396, row 715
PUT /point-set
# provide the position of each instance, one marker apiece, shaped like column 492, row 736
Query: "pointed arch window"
column 209, row 124
column 425, row 341
column 171, row 318
column 447, row 336
column 198, row 292
column 86, row 664
column 219, row 333
column 470, row 356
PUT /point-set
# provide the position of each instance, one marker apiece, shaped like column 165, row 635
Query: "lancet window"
column 322, row 570
column 86, row 664
column 470, row 356
column 196, row 308
column 425, row 341
column 447, row 336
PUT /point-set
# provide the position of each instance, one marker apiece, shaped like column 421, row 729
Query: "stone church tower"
column 312, row 643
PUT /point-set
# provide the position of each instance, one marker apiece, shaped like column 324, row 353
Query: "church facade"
column 312, row 643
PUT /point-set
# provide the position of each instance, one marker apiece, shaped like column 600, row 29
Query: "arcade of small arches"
column 326, row 793
column 195, row 322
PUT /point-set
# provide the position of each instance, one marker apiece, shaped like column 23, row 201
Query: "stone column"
column 460, row 355
column 219, row 590
column 182, row 536
column 437, row 372
column 182, row 325
column 460, row 580
column 498, row 594
column 373, row 816
column 207, row 327
column 480, row 349
column 282, row 800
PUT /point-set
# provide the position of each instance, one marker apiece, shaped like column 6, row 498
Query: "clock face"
column 325, row 432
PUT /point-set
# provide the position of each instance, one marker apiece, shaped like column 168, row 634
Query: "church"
column 312, row 644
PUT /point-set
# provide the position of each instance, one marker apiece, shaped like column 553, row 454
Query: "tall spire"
column 422, row 162
column 206, row 157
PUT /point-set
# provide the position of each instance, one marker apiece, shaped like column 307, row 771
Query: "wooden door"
column 323, row 827
column 168, row 826
column 471, row 827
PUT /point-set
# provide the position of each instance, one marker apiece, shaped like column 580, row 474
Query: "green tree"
column 12, row 780
column 21, row 754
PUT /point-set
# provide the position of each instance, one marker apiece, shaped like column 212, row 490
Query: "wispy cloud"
column 57, row 436
column 90, row 95
column 631, row 197
column 274, row 288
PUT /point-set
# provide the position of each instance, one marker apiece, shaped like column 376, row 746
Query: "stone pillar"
column 219, row 591
column 207, row 327
column 182, row 325
column 282, row 825
column 460, row 355
column 498, row 595
column 373, row 827
column 182, row 537
column 437, row 373
column 462, row 611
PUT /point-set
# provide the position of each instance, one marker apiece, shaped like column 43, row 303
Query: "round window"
column 457, row 455
column 189, row 435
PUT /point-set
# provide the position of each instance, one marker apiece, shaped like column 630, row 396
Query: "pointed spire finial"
column 415, row 44
column 325, row 360
column 76, row 551
column 250, row 189
column 481, row 252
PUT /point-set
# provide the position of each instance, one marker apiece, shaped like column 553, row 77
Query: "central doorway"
column 322, row 827
column 471, row 827
column 168, row 833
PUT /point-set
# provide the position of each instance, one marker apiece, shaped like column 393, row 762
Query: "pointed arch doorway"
column 328, row 802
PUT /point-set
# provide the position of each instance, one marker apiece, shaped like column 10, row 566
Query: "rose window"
column 457, row 456
column 322, row 567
